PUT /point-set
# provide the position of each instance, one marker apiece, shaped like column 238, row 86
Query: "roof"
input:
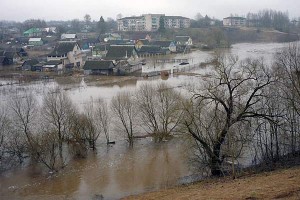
column 150, row 49
column 32, row 30
column 63, row 48
column 35, row 40
column 138, row 17
column 241, row 18
column 31, row 62
column 161, row 43
column 175, row 17
column 120, row 51
column 101, row 64
column 68, row 36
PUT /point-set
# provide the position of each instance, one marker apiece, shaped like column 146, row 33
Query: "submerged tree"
column 159, row 108
column 103, row 118
column 229, row 97
column 124, row 108
column 57, row 110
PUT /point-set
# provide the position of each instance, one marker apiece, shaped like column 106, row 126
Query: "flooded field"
column 114, row 171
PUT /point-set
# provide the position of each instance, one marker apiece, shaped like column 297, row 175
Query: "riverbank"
column 278, row 184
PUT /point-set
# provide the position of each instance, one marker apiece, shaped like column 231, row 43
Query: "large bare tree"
column 229, row 96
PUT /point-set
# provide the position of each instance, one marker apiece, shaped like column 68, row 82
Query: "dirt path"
column 280, row 184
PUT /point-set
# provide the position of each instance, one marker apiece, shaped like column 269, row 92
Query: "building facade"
column 151, row 22
column 173, row 22
column 234, row 21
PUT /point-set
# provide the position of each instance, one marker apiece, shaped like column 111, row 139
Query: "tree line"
column 238, row 108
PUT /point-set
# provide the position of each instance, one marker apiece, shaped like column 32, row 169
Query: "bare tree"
column 24, row 112
column 103, row 118
column 91, row 133
column 159, row 106
column 124, row 108
column 57, row 110
column 231, row 96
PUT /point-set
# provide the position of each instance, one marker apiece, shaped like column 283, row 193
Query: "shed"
column 100, row 67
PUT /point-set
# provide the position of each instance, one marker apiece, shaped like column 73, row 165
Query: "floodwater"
column 115, row 171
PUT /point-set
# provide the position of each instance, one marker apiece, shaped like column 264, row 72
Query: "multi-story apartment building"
column 151, row 22
column 177, row 22
column 234, row 21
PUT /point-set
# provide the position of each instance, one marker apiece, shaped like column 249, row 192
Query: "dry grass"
column 280, row 184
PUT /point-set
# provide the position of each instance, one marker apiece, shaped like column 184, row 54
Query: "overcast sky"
column 20, row 10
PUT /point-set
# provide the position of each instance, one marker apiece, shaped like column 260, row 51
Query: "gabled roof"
column 120, row 51
column 32, row 30
column 63, row 48
column 101, row 64
column 161, row 43
column 150, row 49
column 31, row 62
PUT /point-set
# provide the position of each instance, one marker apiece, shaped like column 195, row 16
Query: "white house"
column 69, row 53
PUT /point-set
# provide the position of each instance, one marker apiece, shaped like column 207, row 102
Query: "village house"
column 122, row 52
column 28, row 65
column 33, row 32
column 112, row 36
column 12, row 56
column 53, row 66
column 99, row 67
column 167, row 45
column 140, row 43
column 184, row 40
column 100, row 50
column 69, row 53
column 35, row 42
column 151, row 50
column 68, row 37
column 234, row 21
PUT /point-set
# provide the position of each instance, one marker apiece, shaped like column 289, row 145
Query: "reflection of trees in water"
column 155, row 167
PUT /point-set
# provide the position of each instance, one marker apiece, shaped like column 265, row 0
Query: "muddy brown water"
column 115, row 171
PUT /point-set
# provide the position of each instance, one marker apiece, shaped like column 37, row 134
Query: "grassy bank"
column 278, row 184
